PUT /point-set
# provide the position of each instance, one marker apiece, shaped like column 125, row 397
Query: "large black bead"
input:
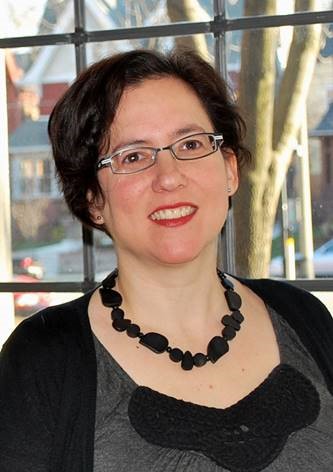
column 121, row 324
column 110, row 298
column 228, row 320
column 133, row 330
column 228, row 333
column 217, row 347
column 187, row 361
column 154, row 341
column 117, row 314
column 237, row 315
column 199, row 359
column 233, row 299
column 176, row 355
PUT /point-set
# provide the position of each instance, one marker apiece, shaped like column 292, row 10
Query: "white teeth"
column 172, row 213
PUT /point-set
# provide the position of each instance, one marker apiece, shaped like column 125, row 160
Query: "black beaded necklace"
column 217, row 346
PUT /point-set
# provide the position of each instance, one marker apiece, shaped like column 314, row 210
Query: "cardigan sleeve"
column 48, row 392
column 26, row 414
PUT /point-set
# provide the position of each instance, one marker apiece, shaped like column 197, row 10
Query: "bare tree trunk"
column 189, row 10
column 272, row 129
column 256, row 98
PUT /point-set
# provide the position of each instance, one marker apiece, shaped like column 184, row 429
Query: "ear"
column 96, row 206
column 231, row 165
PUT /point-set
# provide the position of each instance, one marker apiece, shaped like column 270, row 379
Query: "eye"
column 192, row 144
column 131, row 158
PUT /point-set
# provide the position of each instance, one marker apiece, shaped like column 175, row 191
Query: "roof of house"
column 100, row 15
column 30, row 134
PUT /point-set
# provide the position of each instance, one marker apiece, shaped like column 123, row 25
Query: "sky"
column 20, row 17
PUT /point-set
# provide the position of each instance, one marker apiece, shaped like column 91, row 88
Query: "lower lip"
column 171, row 223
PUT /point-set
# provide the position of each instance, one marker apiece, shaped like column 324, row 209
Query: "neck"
column 159, row 343
column 172, row 298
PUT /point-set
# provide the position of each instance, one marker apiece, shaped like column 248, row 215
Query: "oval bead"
column 199, row 359
column 133, row 330
column 154, row 341
column 228, row 320
column 217, row 347
column 187, row 361
column 228, row 333
column 176, row 355
column 237, row 315
column 117, row 314
column 121, row 324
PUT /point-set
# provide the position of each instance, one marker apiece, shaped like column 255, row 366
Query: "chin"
column 177, row 254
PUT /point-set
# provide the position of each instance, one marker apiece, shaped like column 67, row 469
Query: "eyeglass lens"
column 191, row 147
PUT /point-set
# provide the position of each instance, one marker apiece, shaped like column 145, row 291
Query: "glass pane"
column 285, row 201
column 241, row 8
column 112, row 14
column 42, row 230
column 35, row 17
column 201, row 42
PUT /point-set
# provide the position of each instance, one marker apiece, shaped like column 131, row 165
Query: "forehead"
column 164, row 86
column 159, row 105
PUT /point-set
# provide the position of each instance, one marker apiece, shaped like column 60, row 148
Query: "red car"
column 27, row 266
column 27, row 303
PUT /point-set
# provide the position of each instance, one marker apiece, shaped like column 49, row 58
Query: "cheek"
column 216, row 196
column 122, row 195
column 214, row 179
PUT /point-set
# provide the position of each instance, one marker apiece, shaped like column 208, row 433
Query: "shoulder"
column 49, row 353
column 304, row 312
column 291, row 299
column 307, row 315
column 44, row 332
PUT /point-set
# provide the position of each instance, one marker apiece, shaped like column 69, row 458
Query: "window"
column 32, row 178
column 45, row 44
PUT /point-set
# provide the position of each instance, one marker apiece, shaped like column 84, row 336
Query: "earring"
column 99, row 218
column 228, row 189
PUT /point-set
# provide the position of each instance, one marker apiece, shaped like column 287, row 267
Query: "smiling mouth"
column 172, row 213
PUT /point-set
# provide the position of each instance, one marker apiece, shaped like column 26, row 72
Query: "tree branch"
column 295, row 85
column 189, row 10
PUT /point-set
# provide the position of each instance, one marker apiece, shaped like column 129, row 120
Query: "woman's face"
column 157, row 113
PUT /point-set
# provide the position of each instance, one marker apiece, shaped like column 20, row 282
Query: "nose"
column 169, row 175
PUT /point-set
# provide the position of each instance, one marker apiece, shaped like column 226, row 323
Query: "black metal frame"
column 218, row 26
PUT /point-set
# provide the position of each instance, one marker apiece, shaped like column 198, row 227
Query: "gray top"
column 119, row 447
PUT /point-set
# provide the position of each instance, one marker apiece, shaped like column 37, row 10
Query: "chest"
column 159, row 432
column 245, row 366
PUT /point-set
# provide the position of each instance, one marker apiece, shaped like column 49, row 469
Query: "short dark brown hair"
column 79, row 125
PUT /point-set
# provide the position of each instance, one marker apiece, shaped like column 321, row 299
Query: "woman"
column 142, row 374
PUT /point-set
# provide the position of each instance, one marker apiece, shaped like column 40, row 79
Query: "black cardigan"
column 48, row 378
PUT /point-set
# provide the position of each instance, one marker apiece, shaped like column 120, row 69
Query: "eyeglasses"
column 130, row 160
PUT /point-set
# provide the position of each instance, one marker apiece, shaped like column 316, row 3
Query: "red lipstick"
column 163, row 217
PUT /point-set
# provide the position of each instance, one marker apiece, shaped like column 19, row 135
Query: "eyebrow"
column 186, row 130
